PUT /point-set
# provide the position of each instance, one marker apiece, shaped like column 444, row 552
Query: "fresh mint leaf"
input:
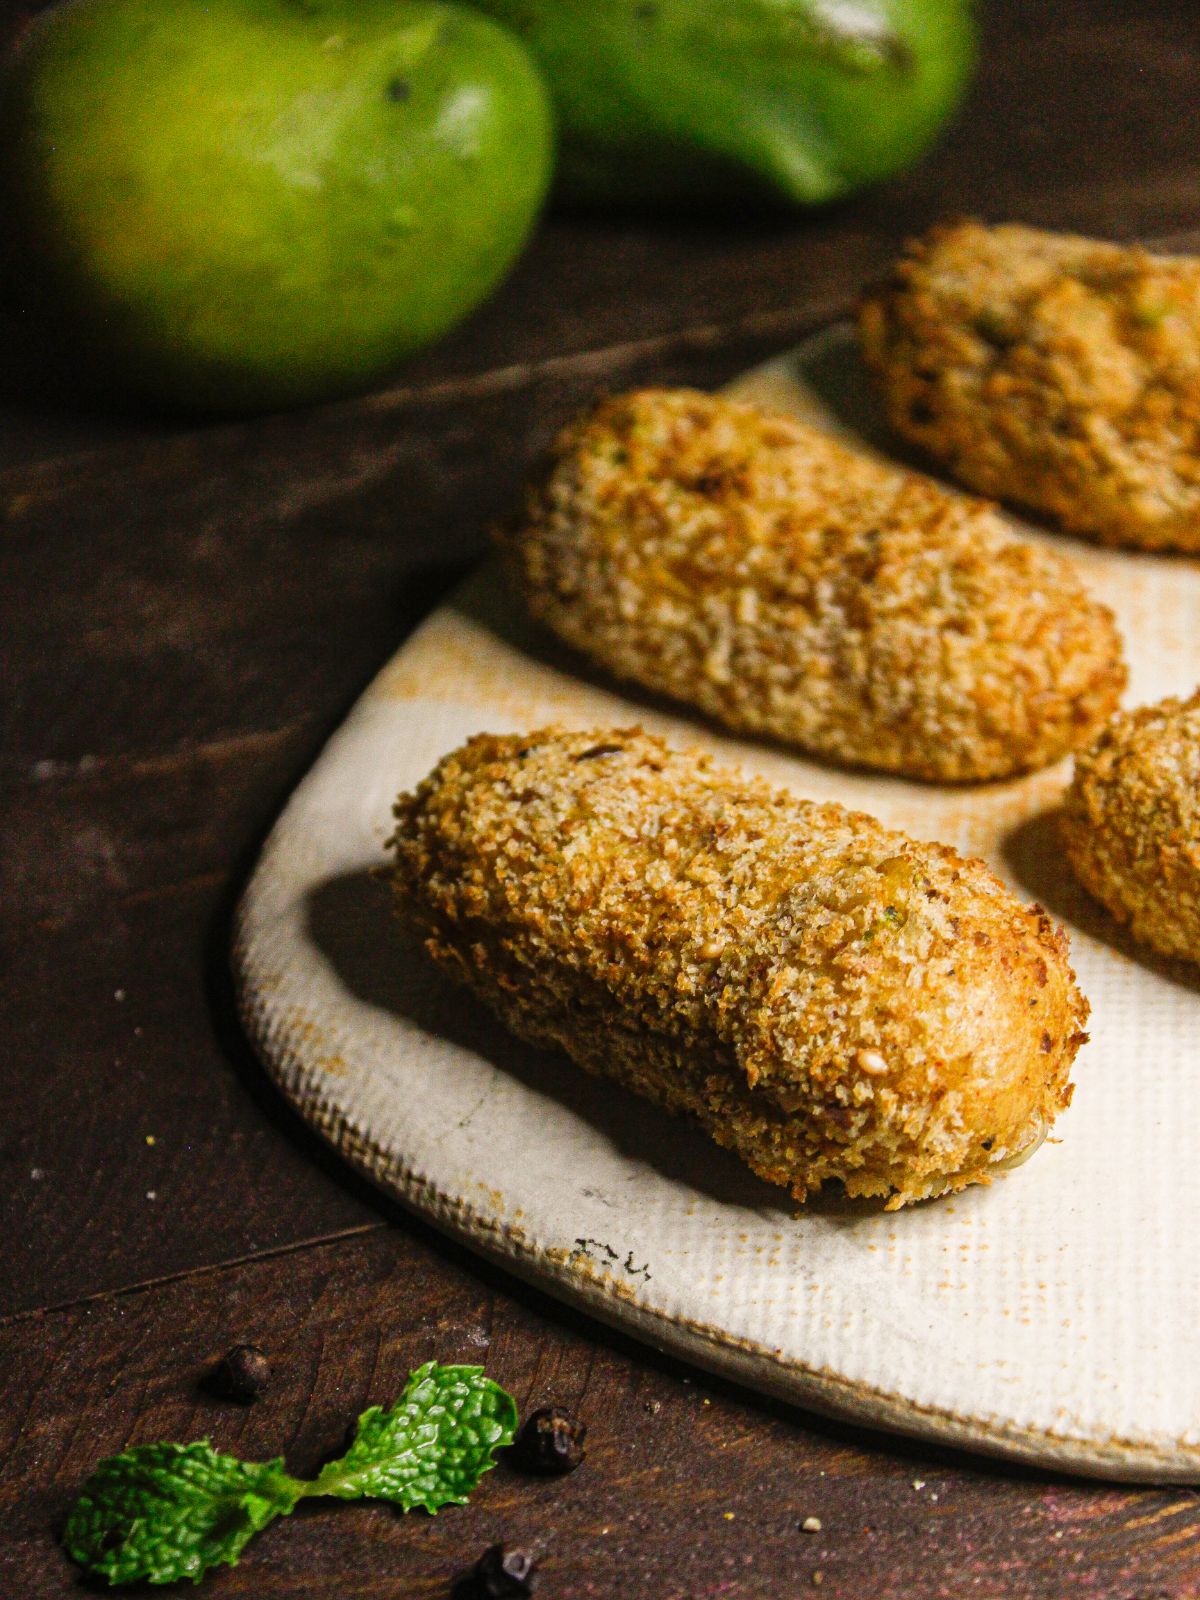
column 161, row 1512
column 432, row 1447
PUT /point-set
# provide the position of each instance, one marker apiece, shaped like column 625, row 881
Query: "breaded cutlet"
column 1131, row 820
column 784, row 585
column 1056, row 373
column 828, row 998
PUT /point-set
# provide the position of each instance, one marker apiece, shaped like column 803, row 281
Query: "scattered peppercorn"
column 242, row 1374
column 551, row 1441
column 502, row 1572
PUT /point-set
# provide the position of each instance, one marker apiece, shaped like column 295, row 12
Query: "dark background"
column 187, row 613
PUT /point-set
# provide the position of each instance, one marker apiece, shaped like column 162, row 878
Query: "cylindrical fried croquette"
column 1131, row 820
column 1051, row 371
column 828, row 998
column 752, row 566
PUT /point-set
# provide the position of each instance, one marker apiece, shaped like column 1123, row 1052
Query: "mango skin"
column 792, row 101
column 251, row 204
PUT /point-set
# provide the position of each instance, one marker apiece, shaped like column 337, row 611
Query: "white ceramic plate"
column 1053, row 1317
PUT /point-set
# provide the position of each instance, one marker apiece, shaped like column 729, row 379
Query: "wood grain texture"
column 185, row 612
column 226, row 582
column 690, row 1489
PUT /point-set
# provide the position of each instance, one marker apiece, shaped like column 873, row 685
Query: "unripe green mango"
column 246, row 204
column 792, row 100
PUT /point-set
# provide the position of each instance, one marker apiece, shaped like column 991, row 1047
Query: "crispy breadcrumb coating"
column 1054, row 372
column 787, row 586
column 1131, row 820
column 828, row 998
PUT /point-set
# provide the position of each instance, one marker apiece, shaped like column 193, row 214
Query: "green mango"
column 249, row 204
column 797, row 101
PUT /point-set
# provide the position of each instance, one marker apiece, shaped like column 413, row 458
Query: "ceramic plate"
column 1052, row 1317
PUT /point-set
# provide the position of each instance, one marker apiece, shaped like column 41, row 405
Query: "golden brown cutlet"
column 1054, row 372
column 784, row 585
column 827, row 998
column 1131, row 820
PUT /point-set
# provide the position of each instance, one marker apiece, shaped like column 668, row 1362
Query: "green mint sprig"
column 162, row 1512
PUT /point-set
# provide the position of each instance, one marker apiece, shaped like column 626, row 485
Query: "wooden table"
column 188, row 611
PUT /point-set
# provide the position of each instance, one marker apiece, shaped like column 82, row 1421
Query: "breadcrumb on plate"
column 1131, row 820
column 1054, row 372
column 750, row 565
column 829, row 999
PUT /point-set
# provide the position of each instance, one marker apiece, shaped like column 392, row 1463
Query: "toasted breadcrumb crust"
column 750, row 565
column 827, row 998
column 1131, row 820
column 1054, row 372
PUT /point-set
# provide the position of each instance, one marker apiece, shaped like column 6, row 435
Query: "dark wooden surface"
column 187, row 612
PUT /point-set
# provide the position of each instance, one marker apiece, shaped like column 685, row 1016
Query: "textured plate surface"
column 1052, row 1317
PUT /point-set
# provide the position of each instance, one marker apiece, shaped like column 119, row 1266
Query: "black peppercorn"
column 501, row 1573
column 242, row 1374
column 551, row 1441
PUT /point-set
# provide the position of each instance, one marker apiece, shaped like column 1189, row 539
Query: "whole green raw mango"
column 792, row 100
column 245, row 204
